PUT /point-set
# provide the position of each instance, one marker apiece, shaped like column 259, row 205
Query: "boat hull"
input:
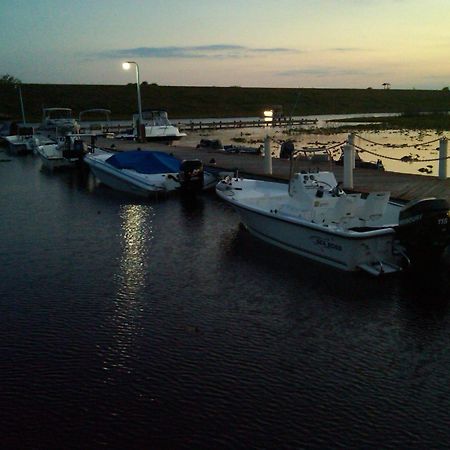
column 343, row 252
column 267, row 210
column 121, row 184
column 129, row 181
column 51, row 160
column 18, row 145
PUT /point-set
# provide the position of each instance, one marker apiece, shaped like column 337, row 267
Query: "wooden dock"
column 402, row 186
column 198, row 125
column 259, row 123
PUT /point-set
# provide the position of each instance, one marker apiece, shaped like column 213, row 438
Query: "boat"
column 20, row 143
column 145, row 173
column 313, row 217
column 65, row 152
column 361, row 164
column 157, row 126
column 99, row 123
column 213, row 145
column 58, row 122
column 5, row 126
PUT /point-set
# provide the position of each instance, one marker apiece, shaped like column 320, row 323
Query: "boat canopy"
column 150, row 162
column 101, row 111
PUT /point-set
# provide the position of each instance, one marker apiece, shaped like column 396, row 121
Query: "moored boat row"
column 310, row 216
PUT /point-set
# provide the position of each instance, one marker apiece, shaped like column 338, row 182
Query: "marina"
column 224, row 225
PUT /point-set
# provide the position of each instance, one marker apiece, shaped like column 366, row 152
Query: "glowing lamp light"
column 268, row 116
column 126, row 65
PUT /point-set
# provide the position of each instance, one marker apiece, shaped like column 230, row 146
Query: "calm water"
column 143, row 324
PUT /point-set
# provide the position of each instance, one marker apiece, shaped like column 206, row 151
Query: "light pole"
column 21, row 104
column 126, row 66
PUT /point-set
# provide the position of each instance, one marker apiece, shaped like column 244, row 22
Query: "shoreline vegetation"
column 183, row 102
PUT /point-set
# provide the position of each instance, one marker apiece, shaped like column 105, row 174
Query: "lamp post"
column 126, row 66
column 24, row 122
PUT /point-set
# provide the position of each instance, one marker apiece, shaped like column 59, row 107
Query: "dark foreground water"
column 143, row 324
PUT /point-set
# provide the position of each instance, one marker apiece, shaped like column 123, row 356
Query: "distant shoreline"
column 218, row 102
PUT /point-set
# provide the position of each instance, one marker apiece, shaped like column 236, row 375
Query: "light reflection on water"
column 135, row 241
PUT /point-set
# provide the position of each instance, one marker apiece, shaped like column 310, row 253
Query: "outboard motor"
column 191, row 175
column 287, row 149
column 74, row 149
column 424, row 229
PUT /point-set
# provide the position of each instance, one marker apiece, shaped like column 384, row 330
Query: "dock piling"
column 443, row 161
column 349, row 161
column 267, row 156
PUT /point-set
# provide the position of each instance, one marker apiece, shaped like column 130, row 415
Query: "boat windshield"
column 58, row 113
column 156, row 118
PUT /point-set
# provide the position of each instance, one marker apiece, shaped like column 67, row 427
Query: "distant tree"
column 154, row 84
column 144, row 83
column 446, row 89
column 369, row 87
column 386, row 85
column 9, row 79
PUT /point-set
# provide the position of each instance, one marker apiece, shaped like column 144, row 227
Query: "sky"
column 254, row 43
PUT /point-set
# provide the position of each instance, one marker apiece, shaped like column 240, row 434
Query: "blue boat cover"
column 142, row 161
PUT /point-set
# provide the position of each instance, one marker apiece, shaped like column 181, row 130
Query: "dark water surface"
column 144, row 324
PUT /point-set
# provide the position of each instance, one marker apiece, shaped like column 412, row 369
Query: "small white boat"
column 314, row 218
column 58, row 122
column 144, row 173
column 98, row 122
column 20, row 144
column 157, row 127
column 66, row 152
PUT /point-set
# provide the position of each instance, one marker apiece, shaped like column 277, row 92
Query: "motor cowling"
column 424, row 228
column 191, row 175
column 75, row 149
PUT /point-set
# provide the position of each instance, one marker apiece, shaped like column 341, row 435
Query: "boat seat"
column 345, row 209
column 374, row 206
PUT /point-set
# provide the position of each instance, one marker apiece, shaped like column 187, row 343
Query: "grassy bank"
column 197, row 102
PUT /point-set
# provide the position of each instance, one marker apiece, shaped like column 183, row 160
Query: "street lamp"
column 24, row 122
column 126, row 66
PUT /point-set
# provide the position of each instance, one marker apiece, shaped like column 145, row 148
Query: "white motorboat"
column 144, row 173
column 58, row 122
column 97, row 122
column 157, row 126
column 312, row 217
column 20, row 144
column 66, row 152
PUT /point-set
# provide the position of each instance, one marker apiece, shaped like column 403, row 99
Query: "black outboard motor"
column 424, row 229
column 191, row 175
column 287, row 149
column 75, row 149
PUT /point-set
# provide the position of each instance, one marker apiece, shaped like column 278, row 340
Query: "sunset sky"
column 284, row 43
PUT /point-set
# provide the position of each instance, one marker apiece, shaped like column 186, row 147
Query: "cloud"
column 346, row 49
column 200, row 51
column 325, row 72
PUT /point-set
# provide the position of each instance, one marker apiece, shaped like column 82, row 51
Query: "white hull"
column 345, row 252
column 51, row 157
column 268, row 211
column 19, row 144
column 163, row 133
column 137, row 183
column 128, row 180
